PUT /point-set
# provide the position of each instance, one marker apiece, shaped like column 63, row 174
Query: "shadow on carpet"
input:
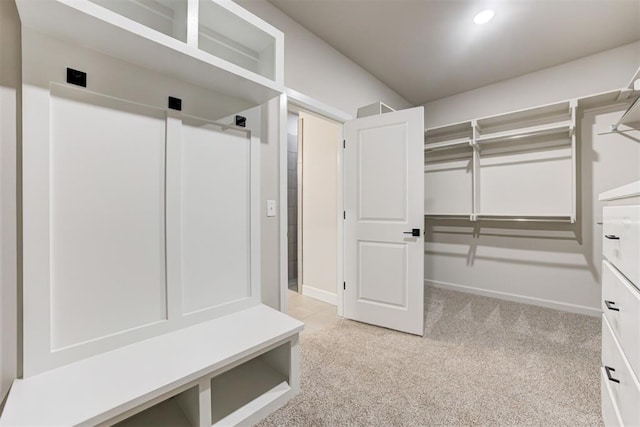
column 482, row 361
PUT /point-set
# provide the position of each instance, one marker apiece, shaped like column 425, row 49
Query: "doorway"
column 315, row 206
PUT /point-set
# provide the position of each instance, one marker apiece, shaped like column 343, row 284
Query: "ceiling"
column 430, row 49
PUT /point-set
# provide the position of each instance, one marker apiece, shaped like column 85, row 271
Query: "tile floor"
column 314, row 313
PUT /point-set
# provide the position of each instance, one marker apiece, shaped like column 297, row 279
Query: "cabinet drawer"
column 621, row 240
column 625, row 389
column 610, row 413
column 621, row 307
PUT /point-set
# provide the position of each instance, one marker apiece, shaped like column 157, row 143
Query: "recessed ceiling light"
column 484, row 17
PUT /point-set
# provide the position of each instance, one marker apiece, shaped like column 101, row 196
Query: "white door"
column 384, row 209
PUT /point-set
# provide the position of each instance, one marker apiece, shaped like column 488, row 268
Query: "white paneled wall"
column 138, row 220
column 216, row 221
column 106, row 207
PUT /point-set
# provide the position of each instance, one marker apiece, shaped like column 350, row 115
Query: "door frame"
column 296, row 101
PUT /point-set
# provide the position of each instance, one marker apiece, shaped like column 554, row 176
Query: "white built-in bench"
column 228, row 371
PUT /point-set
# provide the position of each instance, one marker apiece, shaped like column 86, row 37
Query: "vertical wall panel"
column 106, row 216
column 215, row 216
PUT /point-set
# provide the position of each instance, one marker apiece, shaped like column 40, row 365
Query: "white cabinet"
column 621, row 245
column 621, row 307
column 215, row 44
column 168, row 17
column 625, row 388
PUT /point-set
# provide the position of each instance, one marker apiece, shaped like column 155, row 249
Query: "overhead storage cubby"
column 166, row 16
column 514, row 166
column 214, row 44
column 226, row 35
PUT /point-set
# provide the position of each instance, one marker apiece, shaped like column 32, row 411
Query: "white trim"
column 340, row 239
column 629, row 190
column 557, row 305
column 300, row 101
column 282, row 176
column 315, row 106
column 319, row 294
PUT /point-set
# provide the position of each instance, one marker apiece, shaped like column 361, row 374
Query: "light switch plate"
column 271, row 208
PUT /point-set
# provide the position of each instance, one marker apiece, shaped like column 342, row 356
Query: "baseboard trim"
column 562, row 306
column 319, row 294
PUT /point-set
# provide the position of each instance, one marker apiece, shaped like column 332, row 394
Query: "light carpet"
column 482, row 361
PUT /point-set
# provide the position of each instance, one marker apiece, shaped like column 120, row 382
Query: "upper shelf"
column 218, row 45
column 523, row 121
column 552, row 119
column 527, row 132
column 448, row 136
column 630, row 190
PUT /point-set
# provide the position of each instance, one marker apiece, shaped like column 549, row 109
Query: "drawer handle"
column 609, row 370
column 611, row 305
column 612, row 237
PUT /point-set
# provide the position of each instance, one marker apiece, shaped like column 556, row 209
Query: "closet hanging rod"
column 553, row 131
column 449, row 217
column 522, row 219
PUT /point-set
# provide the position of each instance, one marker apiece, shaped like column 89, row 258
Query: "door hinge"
column 344, row 143
column 344, row 214
column 344, row 286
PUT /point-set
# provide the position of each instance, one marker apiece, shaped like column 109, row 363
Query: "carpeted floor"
column 482, row 362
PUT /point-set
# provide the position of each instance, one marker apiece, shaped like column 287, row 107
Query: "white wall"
column 321, row 140
column 316, row 69
column 555, row 264
column 604, row 71
column 269, row 190
column 9, row 138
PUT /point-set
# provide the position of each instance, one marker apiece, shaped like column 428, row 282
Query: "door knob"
column 612, row 237
column 415, row 232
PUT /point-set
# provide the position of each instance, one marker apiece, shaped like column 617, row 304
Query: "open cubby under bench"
column 228, row 371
